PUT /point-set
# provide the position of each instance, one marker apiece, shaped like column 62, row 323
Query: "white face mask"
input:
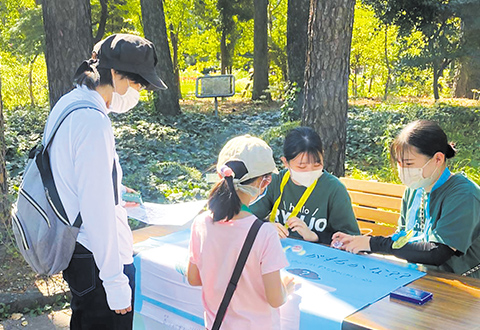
column 251, row 190
column 305, row 179
column 125, row 102
column 413, row 177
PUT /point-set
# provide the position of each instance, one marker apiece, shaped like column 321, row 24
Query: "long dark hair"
column 223, row 200
column 303, row 139
column 425, row 135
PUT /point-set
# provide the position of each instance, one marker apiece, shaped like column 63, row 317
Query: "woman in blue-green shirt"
column 303, row 200
column 440, row 216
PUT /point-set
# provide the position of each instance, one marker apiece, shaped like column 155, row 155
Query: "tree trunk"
column 261, row 64
column 436, row 75
column 470, row 72
column 436, row 95
column 297, row 25
column 103, row 21
column 370, row 82
column 166, row 101
column 68, row 41
column 224, row 52
column 4, row 202
column 30, row 81
column 327, row 68
column 438, row 69
column 176, row 71
column 468, row 77
column 387, row 63
column 461, row 77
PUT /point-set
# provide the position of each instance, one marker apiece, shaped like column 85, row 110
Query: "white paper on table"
column 166, row 214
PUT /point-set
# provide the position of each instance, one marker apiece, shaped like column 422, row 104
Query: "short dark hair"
column 425, row 135
column 90, row 76
column 300, row 140
column 134, row 77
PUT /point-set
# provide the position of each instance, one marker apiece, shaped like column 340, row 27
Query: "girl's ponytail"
column 223, row 200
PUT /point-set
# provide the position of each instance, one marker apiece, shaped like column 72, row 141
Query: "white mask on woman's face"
column 125, row 102
column 413, row 177
column 305, row 179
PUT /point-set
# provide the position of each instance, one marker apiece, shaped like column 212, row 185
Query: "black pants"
column 90, row 310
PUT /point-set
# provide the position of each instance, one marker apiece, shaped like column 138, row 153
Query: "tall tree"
column 68, row 41
column 102, row 23
column 230, row 12
column 4, row 202
column 277, row 39
column 154, row 28
column 261, row 64
column 326, row 77
column 27, row 41
column 176, row 70
column 435, row 19
column 297, row 26
column 469, row 68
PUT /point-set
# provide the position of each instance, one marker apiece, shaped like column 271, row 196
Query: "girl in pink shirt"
column 245, row 165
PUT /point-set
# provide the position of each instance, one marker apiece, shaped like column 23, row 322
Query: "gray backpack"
column 40, row 224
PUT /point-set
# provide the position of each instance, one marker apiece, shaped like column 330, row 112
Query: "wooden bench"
column 376, row 205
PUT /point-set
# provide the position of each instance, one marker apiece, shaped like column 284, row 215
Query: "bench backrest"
column 376, row 205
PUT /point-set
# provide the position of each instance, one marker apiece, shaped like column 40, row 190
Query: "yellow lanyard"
column 300, row 204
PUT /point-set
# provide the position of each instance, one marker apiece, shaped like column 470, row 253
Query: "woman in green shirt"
column 303, row 200
column 440, row 216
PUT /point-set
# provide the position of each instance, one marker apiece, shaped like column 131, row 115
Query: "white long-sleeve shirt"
column 82, row 155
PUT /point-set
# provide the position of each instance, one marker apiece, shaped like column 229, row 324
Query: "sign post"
column 215, row 86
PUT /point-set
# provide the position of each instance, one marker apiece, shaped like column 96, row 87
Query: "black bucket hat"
column 129, row 53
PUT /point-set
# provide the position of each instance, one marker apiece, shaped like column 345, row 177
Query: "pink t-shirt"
column 214, row 248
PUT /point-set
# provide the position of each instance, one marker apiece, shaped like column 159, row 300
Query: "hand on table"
column 350, row 243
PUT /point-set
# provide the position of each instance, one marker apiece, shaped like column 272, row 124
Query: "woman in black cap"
column 88, row 178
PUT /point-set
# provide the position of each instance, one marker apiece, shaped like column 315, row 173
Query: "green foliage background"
column 378, row 51
column 166, row 159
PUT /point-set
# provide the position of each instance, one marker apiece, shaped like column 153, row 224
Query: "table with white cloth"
column 331, row 284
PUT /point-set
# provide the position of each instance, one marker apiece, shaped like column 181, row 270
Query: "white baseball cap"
column 253, row 152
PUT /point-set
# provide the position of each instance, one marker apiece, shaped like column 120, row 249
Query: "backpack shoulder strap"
column 43, row 163
column 77, row 105
column 237, row 271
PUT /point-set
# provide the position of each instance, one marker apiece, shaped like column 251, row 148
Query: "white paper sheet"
column 166, row 214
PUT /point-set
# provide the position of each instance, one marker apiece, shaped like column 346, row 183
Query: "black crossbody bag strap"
column 237, row 271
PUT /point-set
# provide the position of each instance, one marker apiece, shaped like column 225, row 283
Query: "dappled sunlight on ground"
column 228, row 105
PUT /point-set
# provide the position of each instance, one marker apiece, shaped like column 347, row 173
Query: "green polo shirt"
column 327, row 210
column 455, row 212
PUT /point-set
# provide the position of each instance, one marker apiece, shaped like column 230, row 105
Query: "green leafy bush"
column 290, row 108
column 166, row 159
column 370, row 132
